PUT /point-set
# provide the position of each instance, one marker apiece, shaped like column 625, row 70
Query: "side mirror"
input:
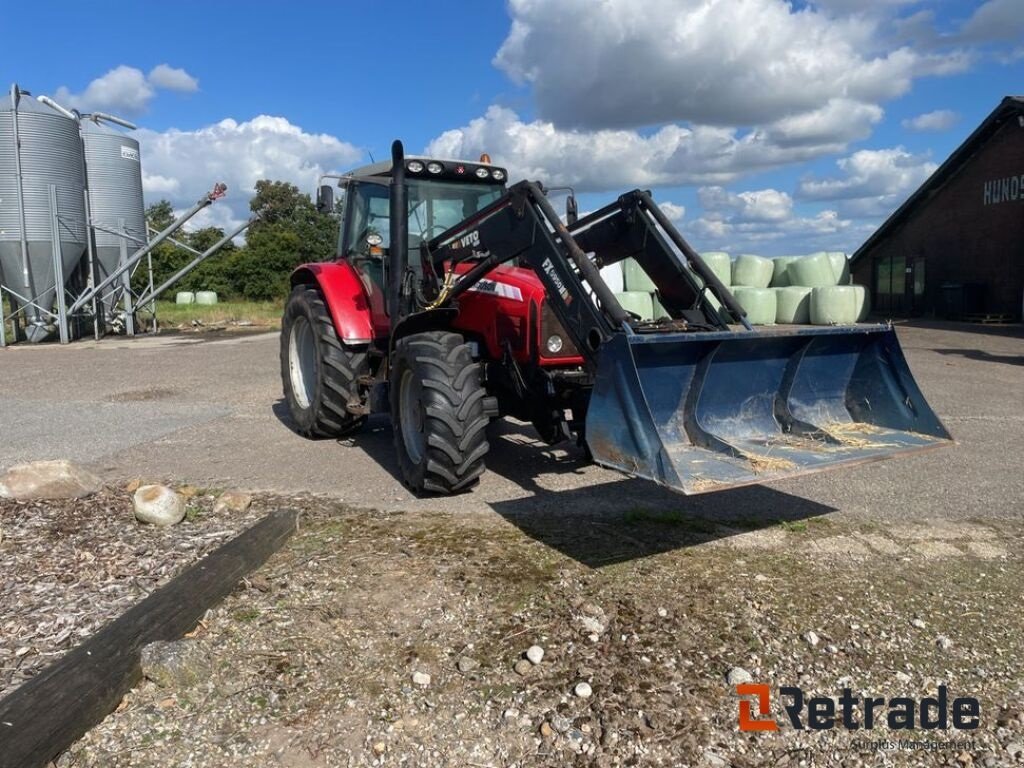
column 572, row 210
column 325, row 199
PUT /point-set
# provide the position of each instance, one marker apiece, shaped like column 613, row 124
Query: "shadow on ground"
column 983, row 356
column 612, row 521
column 1015, row 330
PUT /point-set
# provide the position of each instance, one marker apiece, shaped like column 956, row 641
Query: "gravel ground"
column 70, row 566
column 320, row 658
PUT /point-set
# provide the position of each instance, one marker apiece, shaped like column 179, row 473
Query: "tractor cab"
column 440, row 195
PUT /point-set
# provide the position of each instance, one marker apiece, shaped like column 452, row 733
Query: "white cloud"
column 874, row 182
column 939, row 120
column 765, row 221
column 126, row 90
column 995, row 20
column 673, row 155
column 173, row 79
column 182, row 165
column 753, row 205
column 674, row 211
column 871, row 173
column 122, row 89
column 628, row 63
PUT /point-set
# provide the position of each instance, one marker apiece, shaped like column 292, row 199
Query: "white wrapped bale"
column 637, row 302
column 206, row 297
column 752, row 271
column 185, row 297
column 780, row 271
column 759, row 303
column 863, row 302
column 814, row 271
column 719, row 263
column 834, row 305
column 612, row 275
column 635, row 277
column 840, row 266
column 793, row 304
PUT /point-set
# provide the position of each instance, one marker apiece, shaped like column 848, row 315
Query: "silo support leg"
column 58, row 269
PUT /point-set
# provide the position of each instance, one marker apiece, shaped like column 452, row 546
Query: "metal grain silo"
column 114, row 180
column 39, row 148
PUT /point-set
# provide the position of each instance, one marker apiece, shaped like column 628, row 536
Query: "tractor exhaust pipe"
column 399, row 234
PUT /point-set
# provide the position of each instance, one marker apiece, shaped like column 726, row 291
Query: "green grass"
column 265, row 314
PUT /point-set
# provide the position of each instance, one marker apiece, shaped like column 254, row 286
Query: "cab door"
column 364, row 241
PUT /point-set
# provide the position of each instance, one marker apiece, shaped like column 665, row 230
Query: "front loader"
column 476, row 301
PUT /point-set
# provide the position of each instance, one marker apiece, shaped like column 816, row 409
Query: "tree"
column 289, row 232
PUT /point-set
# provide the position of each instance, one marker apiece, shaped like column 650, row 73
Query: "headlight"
column 554, row 344
column 481, row 173
column 415, row 166
column 435, row 167
column 497, row 174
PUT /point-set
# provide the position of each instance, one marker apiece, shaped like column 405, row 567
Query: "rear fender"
column 345, row 295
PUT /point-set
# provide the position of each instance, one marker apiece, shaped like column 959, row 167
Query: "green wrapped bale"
column 840, row 266
column 206, row 297
column 185, row 297
column 814, row 271
column 635, row 278
column 863, row 302
column 759, row 303
column 719, row 263
column 834, row 305
column 793, row 304
column 637, row 302
column 659, row 310
column 780, row 271
column 752, row 271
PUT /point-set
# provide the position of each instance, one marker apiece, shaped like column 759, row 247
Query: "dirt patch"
column 315, row 655
column 142, row 395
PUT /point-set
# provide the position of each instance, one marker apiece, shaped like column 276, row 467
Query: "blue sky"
column 766, row 126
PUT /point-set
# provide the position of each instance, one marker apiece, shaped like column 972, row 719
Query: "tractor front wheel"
column 319, row 372
column 438, row 413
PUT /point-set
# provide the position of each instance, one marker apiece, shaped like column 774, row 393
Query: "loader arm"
column 522, row 226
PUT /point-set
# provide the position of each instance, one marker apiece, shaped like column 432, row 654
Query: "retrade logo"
column 820, row 713
column 747, row 721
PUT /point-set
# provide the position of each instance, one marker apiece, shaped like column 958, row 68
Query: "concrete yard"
column 208, row 409
column 392, row 630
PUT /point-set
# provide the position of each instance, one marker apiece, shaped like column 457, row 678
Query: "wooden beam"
column 50, row 711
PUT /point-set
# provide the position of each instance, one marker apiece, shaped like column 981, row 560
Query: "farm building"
column 955, row 248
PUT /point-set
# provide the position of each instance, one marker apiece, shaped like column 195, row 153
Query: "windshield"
column 434, row 206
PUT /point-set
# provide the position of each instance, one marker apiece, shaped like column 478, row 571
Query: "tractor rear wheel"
column 319, row 372
column 438, row 412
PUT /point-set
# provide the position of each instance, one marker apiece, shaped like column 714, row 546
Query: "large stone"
column 176, row 663
column 233, row 501
column 48, row 480
column 158, row 505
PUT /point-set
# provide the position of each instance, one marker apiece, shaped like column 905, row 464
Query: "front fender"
column 345, row 295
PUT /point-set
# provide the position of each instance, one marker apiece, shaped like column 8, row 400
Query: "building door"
column 915, row 299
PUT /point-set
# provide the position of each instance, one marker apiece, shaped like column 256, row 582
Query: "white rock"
column 918, row 624
column 48, row 480
column 583, row 690
column 811, row 637
column 422, row 679
column 943, row 642
column 535, row 654
column 738, row 676
column 903, row 677
column 158, row 505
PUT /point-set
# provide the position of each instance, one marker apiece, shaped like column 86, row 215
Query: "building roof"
column 1009, row 108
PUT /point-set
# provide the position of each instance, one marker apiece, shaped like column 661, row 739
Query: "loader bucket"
column 701, row 412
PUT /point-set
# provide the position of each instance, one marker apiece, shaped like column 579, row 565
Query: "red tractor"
column 455, row 299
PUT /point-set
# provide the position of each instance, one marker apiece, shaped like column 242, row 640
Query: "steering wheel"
column 429, row 233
